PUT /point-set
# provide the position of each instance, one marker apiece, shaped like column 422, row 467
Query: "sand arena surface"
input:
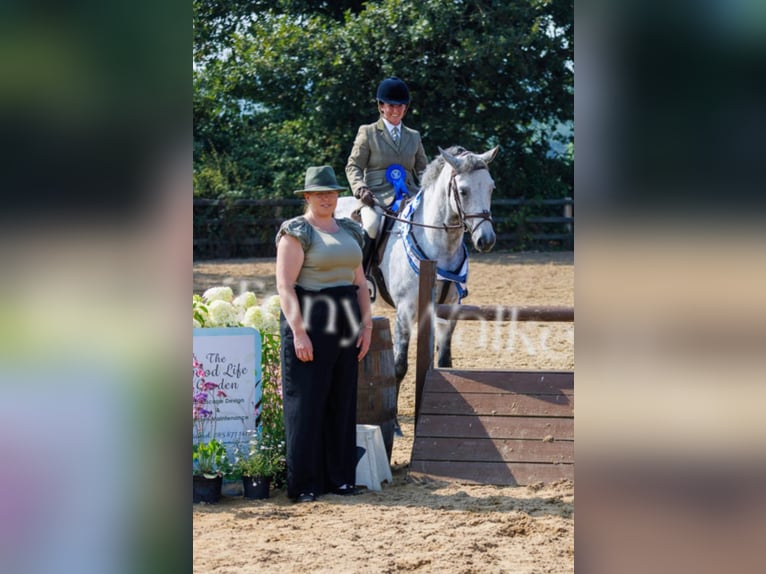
column 413, row 526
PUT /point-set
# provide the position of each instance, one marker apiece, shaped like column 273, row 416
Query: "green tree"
column 279, row 86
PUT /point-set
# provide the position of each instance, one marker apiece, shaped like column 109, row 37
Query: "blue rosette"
column 395, row 175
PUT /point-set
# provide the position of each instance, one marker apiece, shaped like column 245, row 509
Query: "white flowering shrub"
column 217, row 307
column 245, row 300
column 218, row 294
column 222, row 314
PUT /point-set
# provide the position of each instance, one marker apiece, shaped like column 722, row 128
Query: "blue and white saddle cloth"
column 415, row 254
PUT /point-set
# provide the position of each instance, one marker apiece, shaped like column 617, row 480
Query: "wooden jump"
column 489, row 426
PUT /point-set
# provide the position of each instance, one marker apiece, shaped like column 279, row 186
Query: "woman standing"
column 325, row 328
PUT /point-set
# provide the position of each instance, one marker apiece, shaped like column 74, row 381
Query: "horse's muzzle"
column 484, row 244
column 483, row 238
column 483, row 233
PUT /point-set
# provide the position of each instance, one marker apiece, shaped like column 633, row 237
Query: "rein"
column 444, row 227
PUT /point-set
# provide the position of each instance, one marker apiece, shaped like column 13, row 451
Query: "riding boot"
column 368, row 257
column 368, row 252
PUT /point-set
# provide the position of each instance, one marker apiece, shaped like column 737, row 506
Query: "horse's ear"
column 450, row 159
column 490, row 155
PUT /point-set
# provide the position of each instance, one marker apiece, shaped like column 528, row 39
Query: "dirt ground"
column 414, row 526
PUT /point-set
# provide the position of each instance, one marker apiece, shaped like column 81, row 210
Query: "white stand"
column 373, row 468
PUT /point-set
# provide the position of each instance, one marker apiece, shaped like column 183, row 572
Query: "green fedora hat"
column 320, row 178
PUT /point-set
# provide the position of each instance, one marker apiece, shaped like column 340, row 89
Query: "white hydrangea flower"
column 218, row 294
column 272, row 306
column 246, row 300
column 222, row 314
column 196, row 324
column 253, row 318
column 270, row 324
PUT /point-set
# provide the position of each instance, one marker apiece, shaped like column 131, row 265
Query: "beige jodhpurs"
column 372, row 220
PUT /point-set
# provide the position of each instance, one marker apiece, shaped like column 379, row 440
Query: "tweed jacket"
column 374, row 151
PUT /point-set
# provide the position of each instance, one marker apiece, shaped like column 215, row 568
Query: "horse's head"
column 471, row 188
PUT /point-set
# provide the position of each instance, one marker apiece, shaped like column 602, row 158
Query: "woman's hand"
column 304, row 350
column 363, row 341
column 365, row 328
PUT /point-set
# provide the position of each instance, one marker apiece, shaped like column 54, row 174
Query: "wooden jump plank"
column 497, row 405
column 492, row 450
column 539, row 313
column 501, row 474
column 492, row 381
column 497, row 427
column 447, row 380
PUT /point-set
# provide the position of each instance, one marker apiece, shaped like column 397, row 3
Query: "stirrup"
column 372, row 288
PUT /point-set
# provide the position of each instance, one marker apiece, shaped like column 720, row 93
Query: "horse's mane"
column 433, row 169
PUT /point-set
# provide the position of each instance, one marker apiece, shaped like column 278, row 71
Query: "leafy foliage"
column 279, row 86
column 272, row 438
column 262, row 458
column 210, row 459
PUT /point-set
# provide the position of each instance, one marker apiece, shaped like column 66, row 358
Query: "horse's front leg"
column 402, row 334
column 443, row 336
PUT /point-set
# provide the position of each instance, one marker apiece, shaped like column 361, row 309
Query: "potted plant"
column 260, row 462
column 210, row 460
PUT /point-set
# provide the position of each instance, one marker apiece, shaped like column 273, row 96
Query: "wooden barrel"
column 376, row 387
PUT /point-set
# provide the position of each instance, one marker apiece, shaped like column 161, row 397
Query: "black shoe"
column 306, row 497
column 397, row 429
column 346, row 490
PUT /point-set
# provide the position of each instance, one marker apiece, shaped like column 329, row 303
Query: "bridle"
column 463, row 217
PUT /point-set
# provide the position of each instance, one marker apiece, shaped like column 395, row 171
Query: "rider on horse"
column 386, row 159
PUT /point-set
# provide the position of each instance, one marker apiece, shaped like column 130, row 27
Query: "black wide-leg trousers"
column 319, row 397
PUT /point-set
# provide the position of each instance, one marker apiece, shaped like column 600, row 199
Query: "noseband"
column 462, row 215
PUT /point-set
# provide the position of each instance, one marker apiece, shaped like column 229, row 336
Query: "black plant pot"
column 207, row 489
column 256, row 487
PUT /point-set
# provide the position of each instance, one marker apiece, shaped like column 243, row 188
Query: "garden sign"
column 231, row 358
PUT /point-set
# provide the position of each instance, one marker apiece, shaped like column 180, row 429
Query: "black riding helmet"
column 393, row 91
